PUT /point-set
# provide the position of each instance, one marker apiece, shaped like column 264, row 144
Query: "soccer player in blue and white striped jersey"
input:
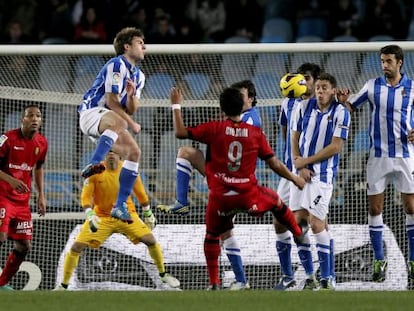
column 391, row 100
column 284, row 238
column 318, row 131
column 106, row 110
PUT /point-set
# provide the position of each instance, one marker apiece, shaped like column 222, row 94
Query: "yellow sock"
column 69, row 265
column 155, row 252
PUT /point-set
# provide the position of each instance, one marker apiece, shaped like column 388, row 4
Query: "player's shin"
column 14, row 260
column 232, row 250
column 212, row 253
column 285, row 216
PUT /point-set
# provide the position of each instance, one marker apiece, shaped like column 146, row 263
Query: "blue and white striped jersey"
column 391, row 116
column 287, row 111
column 112, row 79
column 251, row 116
column 317, row 130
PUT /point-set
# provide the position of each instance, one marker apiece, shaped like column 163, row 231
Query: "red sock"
column 285, row 216
column 13, row 263
column 212, row 253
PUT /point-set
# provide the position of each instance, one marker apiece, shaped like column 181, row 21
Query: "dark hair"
column 251, row 89
column 27, row 107
column 231, row 101
column 327, row 77
column 125, row 36
column 393, row 49
column 314, row 69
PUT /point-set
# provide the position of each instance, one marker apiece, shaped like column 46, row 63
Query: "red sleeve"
column 203, row 132
column 265, row 151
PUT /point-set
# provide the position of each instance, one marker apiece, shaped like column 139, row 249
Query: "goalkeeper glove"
column 93, row 219
column 149, row 219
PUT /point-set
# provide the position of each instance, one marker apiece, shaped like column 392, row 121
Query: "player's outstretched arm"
column 176, row 98
column 281, row 169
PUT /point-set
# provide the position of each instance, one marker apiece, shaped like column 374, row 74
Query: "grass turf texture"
column 202, row 300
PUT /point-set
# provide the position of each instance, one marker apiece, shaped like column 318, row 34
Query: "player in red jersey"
column 233, row 147
column 22, row 151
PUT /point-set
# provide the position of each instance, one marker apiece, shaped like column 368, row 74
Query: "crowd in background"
column 197, row 21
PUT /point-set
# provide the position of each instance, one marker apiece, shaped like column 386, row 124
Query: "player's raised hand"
column 130, row 87
column 176, row 95
column 342, row 95
column 135, row 128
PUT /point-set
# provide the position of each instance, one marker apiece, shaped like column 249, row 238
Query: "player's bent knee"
column 149, row 239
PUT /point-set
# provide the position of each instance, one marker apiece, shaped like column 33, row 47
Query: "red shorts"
column 221, row 209
column 15, row 220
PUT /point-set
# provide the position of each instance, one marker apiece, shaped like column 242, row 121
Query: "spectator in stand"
column 384, row 17
column 164, row 32
column 315, row 8
column 15, row 34
column 54, row 21
column 188, row 32
column 90, row 29
column 137, row 18
column 246, row 19
column 344, row 18
column 211, row 16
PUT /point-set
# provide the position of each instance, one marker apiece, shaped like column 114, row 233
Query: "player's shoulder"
column 340, row 108
column 41, row 138
column 10, row 135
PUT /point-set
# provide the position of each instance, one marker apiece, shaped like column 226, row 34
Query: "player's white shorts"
column 315, row 198
column 383, row 171
column 283, row 190
column 89, row 120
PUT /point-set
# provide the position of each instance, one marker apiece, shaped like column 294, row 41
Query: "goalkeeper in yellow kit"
column 98, row 196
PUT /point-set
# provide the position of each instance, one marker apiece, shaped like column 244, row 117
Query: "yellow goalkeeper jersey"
column 101, row 191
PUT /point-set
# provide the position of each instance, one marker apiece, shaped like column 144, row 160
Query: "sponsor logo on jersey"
column 116, row 78
column 22, row 167
column 3, row 138
column 18, row 148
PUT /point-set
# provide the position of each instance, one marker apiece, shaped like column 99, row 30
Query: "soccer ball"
column 293, row 85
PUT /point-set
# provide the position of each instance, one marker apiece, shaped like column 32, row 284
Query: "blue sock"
column 126, row 182
column 409, row 225
column 103, row 146
column 332, row 258
column 324, row 261
column 305, row 256
column 284, row 252
column 233, row 254
column 323, row 247
column 410, row 236
column 184, row 172
column 376, row 227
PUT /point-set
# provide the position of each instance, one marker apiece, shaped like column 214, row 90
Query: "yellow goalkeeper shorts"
column 108, row 226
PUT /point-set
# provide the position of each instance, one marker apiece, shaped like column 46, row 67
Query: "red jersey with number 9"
column 18, row 157
column 232, row 152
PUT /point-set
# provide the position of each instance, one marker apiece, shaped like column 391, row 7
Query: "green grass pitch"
column 203, row 300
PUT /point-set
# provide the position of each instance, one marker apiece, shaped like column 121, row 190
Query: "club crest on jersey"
column 116, row 78
column 3, row 138
column 403, row 92
column 36, row 151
